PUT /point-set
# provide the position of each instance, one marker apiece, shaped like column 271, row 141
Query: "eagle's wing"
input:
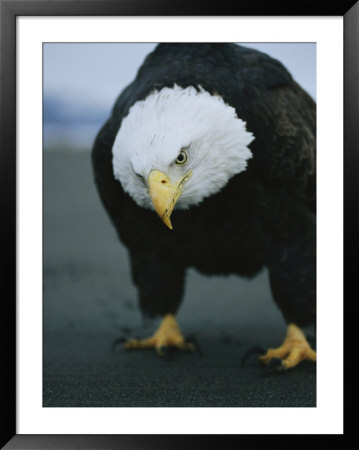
column 282, row 117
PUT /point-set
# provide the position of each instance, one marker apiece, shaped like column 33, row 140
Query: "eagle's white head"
column 178, row 146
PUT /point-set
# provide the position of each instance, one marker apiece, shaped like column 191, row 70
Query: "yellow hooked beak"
column 164, row 194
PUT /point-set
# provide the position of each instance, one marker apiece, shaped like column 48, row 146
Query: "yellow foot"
column 168, row 335
column 294, row 349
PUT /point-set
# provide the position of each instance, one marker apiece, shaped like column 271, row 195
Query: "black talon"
column 117, row 341
column 165, row 352
column 192, row 340
column 274, row 366
column 256, row 350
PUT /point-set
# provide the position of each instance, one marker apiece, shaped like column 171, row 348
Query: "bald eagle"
column 219, row 141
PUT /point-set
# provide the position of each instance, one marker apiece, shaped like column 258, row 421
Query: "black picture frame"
column 10, row 9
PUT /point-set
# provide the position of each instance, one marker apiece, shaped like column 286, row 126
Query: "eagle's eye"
column 182, row 157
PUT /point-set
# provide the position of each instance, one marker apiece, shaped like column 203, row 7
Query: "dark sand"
column 89, row 301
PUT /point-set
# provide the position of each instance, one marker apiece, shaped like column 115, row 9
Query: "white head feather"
column 155, row 130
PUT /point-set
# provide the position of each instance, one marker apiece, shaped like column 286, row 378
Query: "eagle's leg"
column 160, row 280
column 292, row 273
column 168, row 335
column 294, row 349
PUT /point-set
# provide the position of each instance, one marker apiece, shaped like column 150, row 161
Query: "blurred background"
column 89, row 299
column 81, row 82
